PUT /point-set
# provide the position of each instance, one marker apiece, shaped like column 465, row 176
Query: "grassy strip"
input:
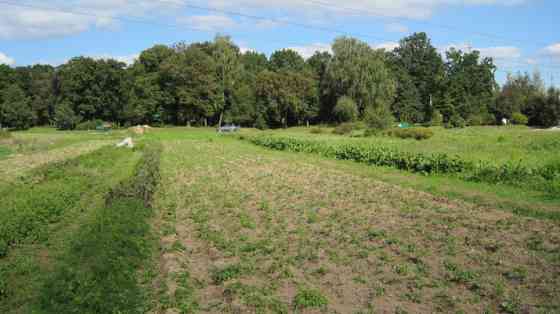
column 29, row 206
column 52, row 217
column 4, row 152
column 545, row 178
column 99, row 273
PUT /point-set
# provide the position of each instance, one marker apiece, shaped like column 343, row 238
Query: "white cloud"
column 503, row 56
column 396, row 28
column 553, row 50
column 33, row 19
column 500, row 52
column 128, row 59
column 4, row 59
column 389, row 46
column 55, row 18
column 209, row 22
column 416, row 9
column 307, row 51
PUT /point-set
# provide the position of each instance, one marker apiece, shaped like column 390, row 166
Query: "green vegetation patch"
column 4, row 152
column 30, row 205
column 99, row 272
column 306, row 298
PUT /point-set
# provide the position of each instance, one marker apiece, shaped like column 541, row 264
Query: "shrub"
column 481, row 119
column 65, row 118
column 88, row 125
column 456, row 121
column 415, row 133
column 343, row 129
column 345, row 109
column 316, row 131
column 437, row 119
column 519, row 118
column 260, row 123
column 379, row 118
column 371, row 132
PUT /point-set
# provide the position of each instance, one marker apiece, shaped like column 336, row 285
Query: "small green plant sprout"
column 306, row 298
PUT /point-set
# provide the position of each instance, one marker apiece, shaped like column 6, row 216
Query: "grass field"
column 195, row 222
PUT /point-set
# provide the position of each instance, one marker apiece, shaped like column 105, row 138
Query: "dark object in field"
column 228, row 129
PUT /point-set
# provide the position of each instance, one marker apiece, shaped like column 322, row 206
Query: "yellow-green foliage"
column 415, row 133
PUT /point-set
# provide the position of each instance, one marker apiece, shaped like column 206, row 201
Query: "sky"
column 520, row 35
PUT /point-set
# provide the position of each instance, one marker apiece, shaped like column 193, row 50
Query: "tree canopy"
column 205, row 83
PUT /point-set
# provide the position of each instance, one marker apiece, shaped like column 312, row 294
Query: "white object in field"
column 127, row 142
column 504, row 121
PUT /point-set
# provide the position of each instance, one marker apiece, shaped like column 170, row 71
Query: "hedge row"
column 545, row 178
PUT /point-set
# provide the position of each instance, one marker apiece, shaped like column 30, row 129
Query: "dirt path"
column 247, row 230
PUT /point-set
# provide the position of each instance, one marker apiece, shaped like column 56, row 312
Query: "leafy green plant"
column 519, row 118
column 221, row 275
column 306, row 298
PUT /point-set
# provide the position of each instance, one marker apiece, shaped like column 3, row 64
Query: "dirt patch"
column 269, row 227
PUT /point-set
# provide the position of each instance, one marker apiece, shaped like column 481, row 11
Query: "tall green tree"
column 286, row 59
column 15, row 108
column 190, row 78
column 361, row 73
column 470, row 82
column 228, row 67
column 424, row 64
column 95, row 89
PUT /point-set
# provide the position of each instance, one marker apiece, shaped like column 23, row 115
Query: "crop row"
column 545, row 178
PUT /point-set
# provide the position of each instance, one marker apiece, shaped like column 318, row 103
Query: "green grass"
column 30, row 205
column 212, row 224
column 4, row 152
column 99, row 272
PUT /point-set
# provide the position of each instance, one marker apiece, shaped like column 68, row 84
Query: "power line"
column 89, row 14
column 175, row 26
column 442, row 26
column 302, row 25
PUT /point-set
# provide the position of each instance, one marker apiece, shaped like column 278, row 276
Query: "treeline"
column 213, row 82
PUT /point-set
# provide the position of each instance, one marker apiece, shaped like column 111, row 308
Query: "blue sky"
column 521, row 35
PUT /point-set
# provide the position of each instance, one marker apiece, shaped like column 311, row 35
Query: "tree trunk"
column 307, row 122
column 221, row 117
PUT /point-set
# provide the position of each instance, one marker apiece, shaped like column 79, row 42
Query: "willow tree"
column 359, row 72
